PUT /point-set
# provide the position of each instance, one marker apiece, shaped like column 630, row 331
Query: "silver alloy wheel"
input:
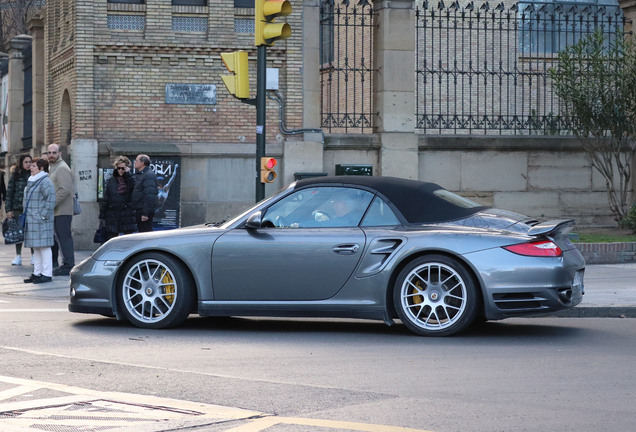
column 149, row 291
column 433, row 296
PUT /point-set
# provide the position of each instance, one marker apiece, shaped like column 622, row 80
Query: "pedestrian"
column 3, row 190
column 39, row 206
column 116, row 214
column 144, row 196
column 18, row 178
column 62, row 179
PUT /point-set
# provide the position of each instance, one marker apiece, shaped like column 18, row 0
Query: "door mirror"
column 254, row 221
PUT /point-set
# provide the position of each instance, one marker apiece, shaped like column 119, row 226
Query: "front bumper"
column 91, row 287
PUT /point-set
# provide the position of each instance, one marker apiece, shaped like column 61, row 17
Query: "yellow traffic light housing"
column 268, row 175
column 266, row 32
column 238, row 83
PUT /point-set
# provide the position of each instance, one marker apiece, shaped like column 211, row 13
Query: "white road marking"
column 34, row 310
column 261, row 424
column 78, row 408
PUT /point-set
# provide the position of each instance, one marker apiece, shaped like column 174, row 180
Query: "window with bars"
column 189, row 2
column 189, row 24
column 126, row 22
column 243, row 25
column 549, row 27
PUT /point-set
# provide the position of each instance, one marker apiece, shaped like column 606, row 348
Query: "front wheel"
column 154, row 292
column 435, row 296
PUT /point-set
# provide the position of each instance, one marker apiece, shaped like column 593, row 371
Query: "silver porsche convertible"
column 346, row 246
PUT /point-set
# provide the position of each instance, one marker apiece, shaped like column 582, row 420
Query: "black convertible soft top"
column 415, row 200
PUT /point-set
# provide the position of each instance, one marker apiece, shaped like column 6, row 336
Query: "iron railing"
column 346, row 66
column 485, row 68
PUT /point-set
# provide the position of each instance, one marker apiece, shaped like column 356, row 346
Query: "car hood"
column 122, row 246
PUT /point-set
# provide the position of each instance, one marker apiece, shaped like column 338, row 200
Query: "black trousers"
column 145, row 226
column 63, row 241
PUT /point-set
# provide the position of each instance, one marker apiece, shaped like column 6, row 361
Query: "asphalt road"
column 283, row 375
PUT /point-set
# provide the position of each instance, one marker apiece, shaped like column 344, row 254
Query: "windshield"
column 228, row 223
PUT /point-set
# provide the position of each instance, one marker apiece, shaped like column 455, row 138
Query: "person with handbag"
column 18, row 178
column 39, row 206
column 62, row 179
column 116, row 214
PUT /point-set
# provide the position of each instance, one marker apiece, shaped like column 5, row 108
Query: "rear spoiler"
column 552, row 227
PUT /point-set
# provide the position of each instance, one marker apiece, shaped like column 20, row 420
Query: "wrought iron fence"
column 346, row 66
column 485, row 68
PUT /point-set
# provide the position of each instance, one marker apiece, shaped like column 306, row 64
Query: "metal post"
column 261, row 70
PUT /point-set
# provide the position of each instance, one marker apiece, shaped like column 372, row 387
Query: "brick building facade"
column 106, row 69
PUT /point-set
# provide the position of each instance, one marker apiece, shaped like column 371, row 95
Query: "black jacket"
column 144, row 197
column 3, row 188
column 116, row 209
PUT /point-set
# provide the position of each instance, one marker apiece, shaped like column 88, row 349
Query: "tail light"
column 539, row 248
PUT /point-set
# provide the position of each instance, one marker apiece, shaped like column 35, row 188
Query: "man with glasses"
column 62, row 179
column 144, row 196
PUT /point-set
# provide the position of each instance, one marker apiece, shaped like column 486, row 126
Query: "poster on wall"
column 168, row 213
column 166, row 169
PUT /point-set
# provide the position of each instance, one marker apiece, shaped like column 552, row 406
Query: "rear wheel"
column 435, row 296
column 154, row 292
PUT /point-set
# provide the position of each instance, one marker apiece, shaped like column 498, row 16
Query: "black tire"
column 154, row 292
column 435, row 295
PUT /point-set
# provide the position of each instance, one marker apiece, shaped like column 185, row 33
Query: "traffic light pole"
column 261, row 78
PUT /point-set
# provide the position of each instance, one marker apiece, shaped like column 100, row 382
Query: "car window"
column 380, row 214
column 319, row 207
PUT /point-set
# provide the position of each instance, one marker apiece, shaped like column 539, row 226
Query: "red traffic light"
column 268, row 175
column 270, row 163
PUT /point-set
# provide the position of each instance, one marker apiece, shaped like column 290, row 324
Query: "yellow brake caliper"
column 168, row 287
column 417, row 299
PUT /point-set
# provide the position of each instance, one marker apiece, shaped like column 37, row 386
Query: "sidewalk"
column 610, row 289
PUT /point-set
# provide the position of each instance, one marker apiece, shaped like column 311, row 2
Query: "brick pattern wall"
column 116, row 78
column 604, row 253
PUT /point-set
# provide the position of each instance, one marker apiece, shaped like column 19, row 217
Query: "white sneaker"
column 17, row 261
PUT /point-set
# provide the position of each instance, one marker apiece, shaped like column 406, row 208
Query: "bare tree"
column 596, row 82
column 14, row 17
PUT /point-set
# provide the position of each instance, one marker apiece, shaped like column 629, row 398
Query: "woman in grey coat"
column 39, row 203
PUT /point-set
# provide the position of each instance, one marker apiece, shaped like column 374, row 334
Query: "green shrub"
column 629, row 221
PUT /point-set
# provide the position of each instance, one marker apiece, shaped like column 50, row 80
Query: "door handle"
column 346, row 249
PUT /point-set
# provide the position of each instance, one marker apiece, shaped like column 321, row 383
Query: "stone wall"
column 545, row 177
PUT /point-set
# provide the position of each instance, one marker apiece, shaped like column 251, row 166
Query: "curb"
column 593, row 312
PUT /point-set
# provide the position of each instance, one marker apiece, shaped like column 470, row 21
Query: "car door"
column 296, row 256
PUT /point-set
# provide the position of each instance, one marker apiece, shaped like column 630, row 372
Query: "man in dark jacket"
column 144, row 196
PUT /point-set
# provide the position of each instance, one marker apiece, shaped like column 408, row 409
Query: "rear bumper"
column 516, row 285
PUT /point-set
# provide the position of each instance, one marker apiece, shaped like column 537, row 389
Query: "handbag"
column 76, row 206
column 12, row 232
column 22, row 220
column 100, row 235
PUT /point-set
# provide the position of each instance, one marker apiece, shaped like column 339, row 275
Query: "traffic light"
column 268, row 174
column 238, row 83
column 266, row 32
